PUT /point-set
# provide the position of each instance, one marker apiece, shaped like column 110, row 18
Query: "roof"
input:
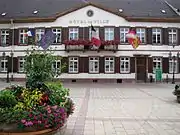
column 49, row 10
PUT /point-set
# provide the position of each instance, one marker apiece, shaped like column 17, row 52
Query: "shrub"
column 7, row 99
column 59, row 93
column 69, row 106
column 177, row 90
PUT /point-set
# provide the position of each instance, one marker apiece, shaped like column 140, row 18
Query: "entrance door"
column 141, row 74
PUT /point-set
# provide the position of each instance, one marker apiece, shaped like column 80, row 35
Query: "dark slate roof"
column 19, row 9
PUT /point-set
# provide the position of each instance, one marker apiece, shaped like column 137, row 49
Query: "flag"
column 29, row 33
column 133, row 39
column 95, row 37
column 47, row 39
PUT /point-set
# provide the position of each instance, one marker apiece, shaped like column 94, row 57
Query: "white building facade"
column 115, row 60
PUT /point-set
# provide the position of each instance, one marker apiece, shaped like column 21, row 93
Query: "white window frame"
column 73, row 33
column 58, row 34
column 172, row 34
column 171, row 65
column 156, row 32
column 56, row 66
column 5, row 61
column 73, row 64
column 4, row 37
column 109, row 64
column 97, row 31
column 39, row 34
column 158, row 61
column 123, row 33
column 93, row 64
column 23, row 36
column 123, row 68
column 21, row 60
column 107, row 34
column 141, row 33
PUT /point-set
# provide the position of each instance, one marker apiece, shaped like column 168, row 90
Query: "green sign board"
column 158, row 74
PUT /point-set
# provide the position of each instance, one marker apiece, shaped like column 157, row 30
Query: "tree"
column 38, row 66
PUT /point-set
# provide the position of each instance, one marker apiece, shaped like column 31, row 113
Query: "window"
column 156, row 36
column 109, row 65
column 57, row 32
column 173, row 65
column 73, row 65
column 4, row 65
column 93, row 65
column 172, row 36
column 141, row 33
column 4, row 37
column 21, row 64
column 157, row 63
column 39, row 34
column 123, row 33
column 57, row 66
column 109, row 34
column 23, row 38
column 73, row 33
column 97, row 31
column 125, row 65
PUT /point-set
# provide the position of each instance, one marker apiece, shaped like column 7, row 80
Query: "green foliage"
column 30, row 99
column 59, row 93
column 177, row 90
column 38, row 66
column 69, row 106
column 7, row 99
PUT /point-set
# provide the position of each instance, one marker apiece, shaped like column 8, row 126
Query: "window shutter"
column 165, row 65
column 101, row 64
column 149, row 36
column 86, row 33
column 117, row 33
column 66, row 63
column 179, row 65
column 117, row 65
column 10, row 37
column 101, row 33
column 132, row 65
column 65, row 35
column 81, row 33
column 178, row 33
column 16, row 36
column 165, row 36
column 15, row 64
column 9, row 64
column 81, row 64
column 150, row 65
column 86, row 64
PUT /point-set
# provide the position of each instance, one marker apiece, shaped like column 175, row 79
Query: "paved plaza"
column 123, row 109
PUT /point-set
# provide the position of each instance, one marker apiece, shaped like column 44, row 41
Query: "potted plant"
column 43, row 106
column 176, row 92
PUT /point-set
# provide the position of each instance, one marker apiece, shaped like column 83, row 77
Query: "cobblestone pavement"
column 123, row 109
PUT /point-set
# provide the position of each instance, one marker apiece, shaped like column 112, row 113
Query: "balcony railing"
column 86, row 45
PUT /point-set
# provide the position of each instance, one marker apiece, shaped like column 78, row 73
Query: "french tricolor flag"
column 95, row 37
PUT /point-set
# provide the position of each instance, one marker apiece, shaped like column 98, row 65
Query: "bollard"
column 167, row 79
column 151, row 78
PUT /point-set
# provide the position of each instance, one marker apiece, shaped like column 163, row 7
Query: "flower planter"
column 178, row 98
column 10, row 131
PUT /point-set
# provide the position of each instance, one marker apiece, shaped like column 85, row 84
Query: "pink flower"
column 49, row 111
column 55, row 107
column 23, row 121
column 28, row 123
column 39, row 122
